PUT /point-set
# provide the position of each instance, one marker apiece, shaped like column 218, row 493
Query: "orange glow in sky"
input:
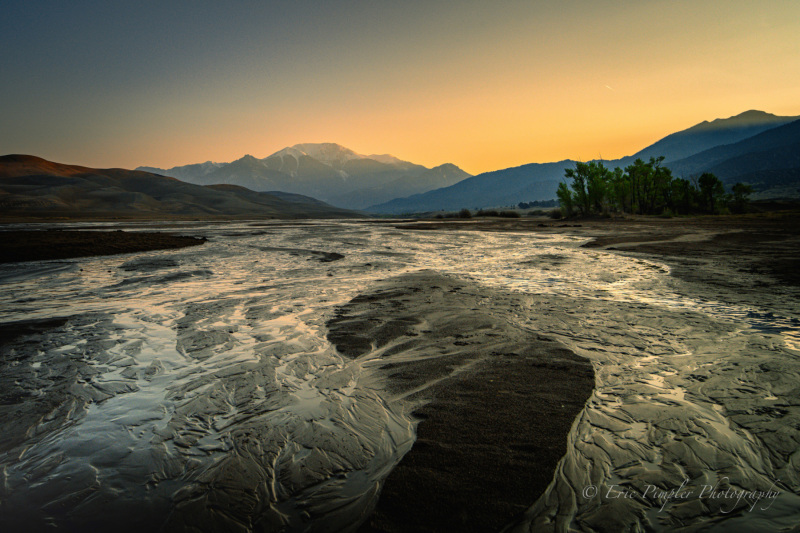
column 482, row 85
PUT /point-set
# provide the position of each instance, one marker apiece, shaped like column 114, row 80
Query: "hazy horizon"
column 483, row 87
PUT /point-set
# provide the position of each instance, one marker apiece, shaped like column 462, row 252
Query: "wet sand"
column 18, row 246
column 745, row 259
column 749, row 262
column 493, row 390
column 494, row 402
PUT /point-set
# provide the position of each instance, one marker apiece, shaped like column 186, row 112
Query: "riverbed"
column 134, row 383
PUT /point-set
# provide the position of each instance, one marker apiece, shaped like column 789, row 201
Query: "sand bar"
column 18, row 246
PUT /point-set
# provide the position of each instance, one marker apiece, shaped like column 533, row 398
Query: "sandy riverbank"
column 18, row 246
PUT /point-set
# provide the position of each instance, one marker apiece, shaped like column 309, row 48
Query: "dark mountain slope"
column 707, row 135
column 536, row 181
column 770, row 150
column 34, row 187
column 757, row 144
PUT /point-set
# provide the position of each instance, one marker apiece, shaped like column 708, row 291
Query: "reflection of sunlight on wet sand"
column 211, row 343
column 792, row 340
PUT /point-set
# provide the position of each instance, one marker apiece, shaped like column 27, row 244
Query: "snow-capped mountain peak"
column 329, row 153
column 387, row 159
column 290, row 151
column 326, row 171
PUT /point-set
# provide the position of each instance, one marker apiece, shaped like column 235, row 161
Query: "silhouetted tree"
column 620, row 191
column 649, row 186
column 683, row 196
column 642, row 188
column 580, row 196
column 589, row 185
column 597, row 185
column 711, row 191
column 565, row 199
column 741, row 193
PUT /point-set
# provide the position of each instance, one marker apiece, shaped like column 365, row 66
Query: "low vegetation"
column 466, row 213
column 645, row 188
column 538, row 203
column 496, row 213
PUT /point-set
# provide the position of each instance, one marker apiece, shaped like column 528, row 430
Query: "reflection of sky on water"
column 231, row 303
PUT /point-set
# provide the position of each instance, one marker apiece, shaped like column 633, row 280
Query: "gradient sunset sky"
column 484, row 85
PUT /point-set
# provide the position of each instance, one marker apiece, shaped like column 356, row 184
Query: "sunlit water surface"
column 195, row 368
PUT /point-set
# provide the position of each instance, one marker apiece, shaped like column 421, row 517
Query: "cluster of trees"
column 646, row 188
column 538, row 203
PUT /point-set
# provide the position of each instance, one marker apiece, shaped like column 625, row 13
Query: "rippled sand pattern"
column 199, row 385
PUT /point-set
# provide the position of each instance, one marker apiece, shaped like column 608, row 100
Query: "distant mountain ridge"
column 707, row 135
column 718, row 159
column 761, row 143
column 327, row 171
column 34, row 187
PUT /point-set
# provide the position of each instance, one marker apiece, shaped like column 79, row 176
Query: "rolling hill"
column 34, row 187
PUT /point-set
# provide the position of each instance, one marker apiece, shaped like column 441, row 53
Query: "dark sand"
column 494, row 402
column 17, row 246
column 490, row 436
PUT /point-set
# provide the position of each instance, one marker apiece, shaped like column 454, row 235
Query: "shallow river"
column 150, row 380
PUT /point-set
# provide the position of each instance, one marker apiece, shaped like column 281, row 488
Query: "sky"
column 483, row 85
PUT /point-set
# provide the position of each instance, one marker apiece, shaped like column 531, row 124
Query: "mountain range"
column 34, row 187
column 326, row 171
column 753, row 147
